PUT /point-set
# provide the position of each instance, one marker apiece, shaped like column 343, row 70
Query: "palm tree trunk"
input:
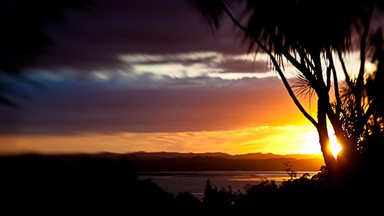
column 322, row 130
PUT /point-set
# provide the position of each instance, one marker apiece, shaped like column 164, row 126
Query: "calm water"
column 194, row 182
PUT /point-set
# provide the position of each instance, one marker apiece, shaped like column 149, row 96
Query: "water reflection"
column 194, row 182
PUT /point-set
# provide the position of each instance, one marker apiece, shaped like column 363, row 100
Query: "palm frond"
column 303, row 87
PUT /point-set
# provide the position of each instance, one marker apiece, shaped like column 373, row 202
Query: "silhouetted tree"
column 311, row 35
column 86, row 184
column 22, row 37
column 188, row 204
column 289, row 169
column 218, row 201
column 262, row 198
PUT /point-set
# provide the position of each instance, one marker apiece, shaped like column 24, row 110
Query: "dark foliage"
column 298, row 196
column 102, row 184
column 76, row 184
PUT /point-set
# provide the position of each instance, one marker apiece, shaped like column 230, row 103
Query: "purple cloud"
column 96, row 38
column 94, row 83
column 201, row 104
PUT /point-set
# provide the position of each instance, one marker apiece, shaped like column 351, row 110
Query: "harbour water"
column 194, row 182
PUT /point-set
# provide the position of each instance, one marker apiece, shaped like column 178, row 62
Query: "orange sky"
column 127, row 77
column 287, row 139
column 269, row 124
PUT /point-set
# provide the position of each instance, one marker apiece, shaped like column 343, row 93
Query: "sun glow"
column 334, row 145
column 312, row 144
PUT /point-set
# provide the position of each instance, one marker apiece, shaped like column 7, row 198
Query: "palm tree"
column 310, row 35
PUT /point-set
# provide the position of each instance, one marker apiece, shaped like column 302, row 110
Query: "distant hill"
column 217, row 161
column 163, row 155
column 210, row 161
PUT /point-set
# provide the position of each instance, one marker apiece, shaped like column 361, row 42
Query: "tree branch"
column 360, row 78
column 276, row 65
column 233, row 19
column 346, row 74
column 303, row 55
column 286, row 84
column 300, row 66
column 335, row 82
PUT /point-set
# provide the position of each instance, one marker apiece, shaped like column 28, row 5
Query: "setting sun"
column 334, row 145
column 312, row 143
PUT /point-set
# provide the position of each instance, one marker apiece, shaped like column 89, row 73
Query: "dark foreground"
column 103, row 185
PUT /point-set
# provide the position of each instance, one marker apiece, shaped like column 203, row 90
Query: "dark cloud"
column 95, row 38
column 208, row 104
column 244, row 66
column 113, row 37
column 186, row 58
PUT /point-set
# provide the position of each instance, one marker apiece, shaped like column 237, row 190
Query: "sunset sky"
column 150, row 75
